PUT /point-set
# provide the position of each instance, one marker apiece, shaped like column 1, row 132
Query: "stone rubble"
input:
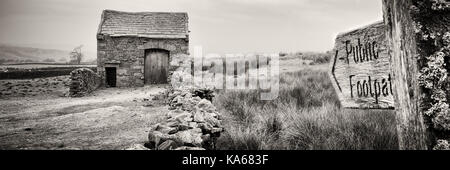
column 83, row 81
column 192, row 123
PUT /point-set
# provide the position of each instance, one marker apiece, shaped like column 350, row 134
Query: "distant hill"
column 15, row 53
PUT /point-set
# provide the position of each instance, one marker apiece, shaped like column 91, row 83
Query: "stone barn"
column 135, row 48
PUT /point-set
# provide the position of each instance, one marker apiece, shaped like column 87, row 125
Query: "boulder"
column 206, row 106
column 206, row 127
column 184, row 117
column 173, row 123
column 199, row 117
column 167, row 129
column 192, row 137
column 168, row 145
column 184, row 126
column 158, row 137
column 211, row 120
column 193, row 125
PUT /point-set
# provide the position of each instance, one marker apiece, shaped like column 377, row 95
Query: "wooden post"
column 407, row 54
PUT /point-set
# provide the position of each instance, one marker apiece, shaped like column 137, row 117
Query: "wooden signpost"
column 360, row 69
column 418, row 34
column 402, row 63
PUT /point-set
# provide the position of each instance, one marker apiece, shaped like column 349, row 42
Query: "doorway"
column 156, row 66
column 110, row 76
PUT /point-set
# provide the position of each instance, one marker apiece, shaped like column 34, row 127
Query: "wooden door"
column 156, row 66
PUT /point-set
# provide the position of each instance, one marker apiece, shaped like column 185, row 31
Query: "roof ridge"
column 121, row 23
column 143, row 12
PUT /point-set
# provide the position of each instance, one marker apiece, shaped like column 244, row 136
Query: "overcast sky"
column 220, row 26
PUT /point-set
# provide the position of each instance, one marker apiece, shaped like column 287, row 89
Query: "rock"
column 213, row 121
column 156, row 137
column 154, row 127
column 173, row 123
column 187, row 95
column 216, row 130
column 189, row 148
column 168, row 145
column 166, row 129
column 150, row 145
column 198, row 117
column 193, row 125
column 176, row 93
column 206, row 105
column 207, row 94
column 184, row 126
column 184, row 103
column 184, row 117
column 206, row 137
column 192, row 137
column 206, row 128
column 161, row 137
column 137, row 147
column 151, row 137
column 174, row 113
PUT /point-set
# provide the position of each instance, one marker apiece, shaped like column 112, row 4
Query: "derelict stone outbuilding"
column 134, row 49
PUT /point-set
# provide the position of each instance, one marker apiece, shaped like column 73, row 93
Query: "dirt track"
column 107, row 119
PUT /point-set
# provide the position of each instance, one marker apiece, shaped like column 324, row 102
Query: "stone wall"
column 127, row 54
column 192, row 123
column 83, row 81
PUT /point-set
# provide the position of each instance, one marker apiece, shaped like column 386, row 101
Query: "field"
column 306, row 116
column 35, row 114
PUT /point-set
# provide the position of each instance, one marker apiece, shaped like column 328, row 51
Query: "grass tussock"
column 306, row 116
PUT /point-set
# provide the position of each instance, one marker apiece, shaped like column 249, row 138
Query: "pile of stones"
column 83, row 81
column 192, row 123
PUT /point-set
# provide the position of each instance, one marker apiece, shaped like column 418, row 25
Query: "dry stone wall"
column 83, row 81
column 193, row 122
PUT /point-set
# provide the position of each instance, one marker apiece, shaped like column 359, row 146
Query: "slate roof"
column 144, row 24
